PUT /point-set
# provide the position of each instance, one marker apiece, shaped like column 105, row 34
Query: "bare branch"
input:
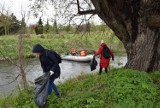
column 88, row 12
column 11, row 81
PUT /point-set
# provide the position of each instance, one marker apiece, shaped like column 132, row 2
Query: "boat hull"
column 87, row 58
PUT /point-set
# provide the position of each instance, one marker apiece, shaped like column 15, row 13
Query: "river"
column 69, row 69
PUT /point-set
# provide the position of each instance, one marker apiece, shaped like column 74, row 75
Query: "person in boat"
column 104, row 57
column 83, row 53
column 49, row 63
column 73, row 51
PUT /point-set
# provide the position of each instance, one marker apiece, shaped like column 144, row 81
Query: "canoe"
column 77, row 58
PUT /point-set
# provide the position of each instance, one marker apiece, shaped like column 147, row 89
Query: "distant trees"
column 47, row 27
column 55, row 27
column 39, row 27
column 9, row 24
column 15, row 25
column 5, row 23
column 23, row 24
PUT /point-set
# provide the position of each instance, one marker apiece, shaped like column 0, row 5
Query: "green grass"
column 60, row 43
column 120, row 88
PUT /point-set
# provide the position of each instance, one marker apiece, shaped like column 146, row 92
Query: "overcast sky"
column 18, row 6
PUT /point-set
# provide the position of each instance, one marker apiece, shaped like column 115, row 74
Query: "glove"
column 51, row 72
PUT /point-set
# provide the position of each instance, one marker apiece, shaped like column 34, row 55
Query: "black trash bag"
column 41, row 90
column 93, row 64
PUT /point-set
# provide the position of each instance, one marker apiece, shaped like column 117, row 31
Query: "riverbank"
column 120, row 88
column 60, row 43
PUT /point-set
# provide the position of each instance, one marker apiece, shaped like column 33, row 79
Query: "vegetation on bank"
column 120, row 88
column 59, row 42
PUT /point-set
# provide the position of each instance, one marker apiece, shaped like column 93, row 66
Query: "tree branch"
column 87, row 12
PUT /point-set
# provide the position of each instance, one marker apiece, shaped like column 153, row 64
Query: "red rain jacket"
column 104, row 62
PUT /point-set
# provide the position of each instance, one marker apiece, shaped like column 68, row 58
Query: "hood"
column 102, row 41
column 38, row 49
column 103, row 44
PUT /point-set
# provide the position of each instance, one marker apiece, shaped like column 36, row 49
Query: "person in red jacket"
column 104, row 62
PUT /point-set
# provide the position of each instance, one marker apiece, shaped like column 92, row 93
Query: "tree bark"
column 135, row 24
column 144, row 53
column 23, row 82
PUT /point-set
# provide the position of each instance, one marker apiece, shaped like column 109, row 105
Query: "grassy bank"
column 60, row 43
column 120, row 88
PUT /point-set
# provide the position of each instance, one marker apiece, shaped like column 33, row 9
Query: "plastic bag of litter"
column 41, row 89
column 93, row 64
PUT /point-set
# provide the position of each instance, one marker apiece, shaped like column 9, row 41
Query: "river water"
column 69, row 69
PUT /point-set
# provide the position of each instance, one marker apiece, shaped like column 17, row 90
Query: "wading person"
column 50, row 64
column 105, row 55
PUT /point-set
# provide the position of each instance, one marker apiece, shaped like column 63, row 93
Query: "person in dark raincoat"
column 104, row 62
column 49, row 63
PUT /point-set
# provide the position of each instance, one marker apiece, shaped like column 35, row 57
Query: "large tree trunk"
column 137, row 24
column 144, row 53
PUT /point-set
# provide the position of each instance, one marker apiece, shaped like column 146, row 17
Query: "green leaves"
column 130, row 86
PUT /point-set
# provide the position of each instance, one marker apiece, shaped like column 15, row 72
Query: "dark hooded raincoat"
column 44, row 83
column 48, row 61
